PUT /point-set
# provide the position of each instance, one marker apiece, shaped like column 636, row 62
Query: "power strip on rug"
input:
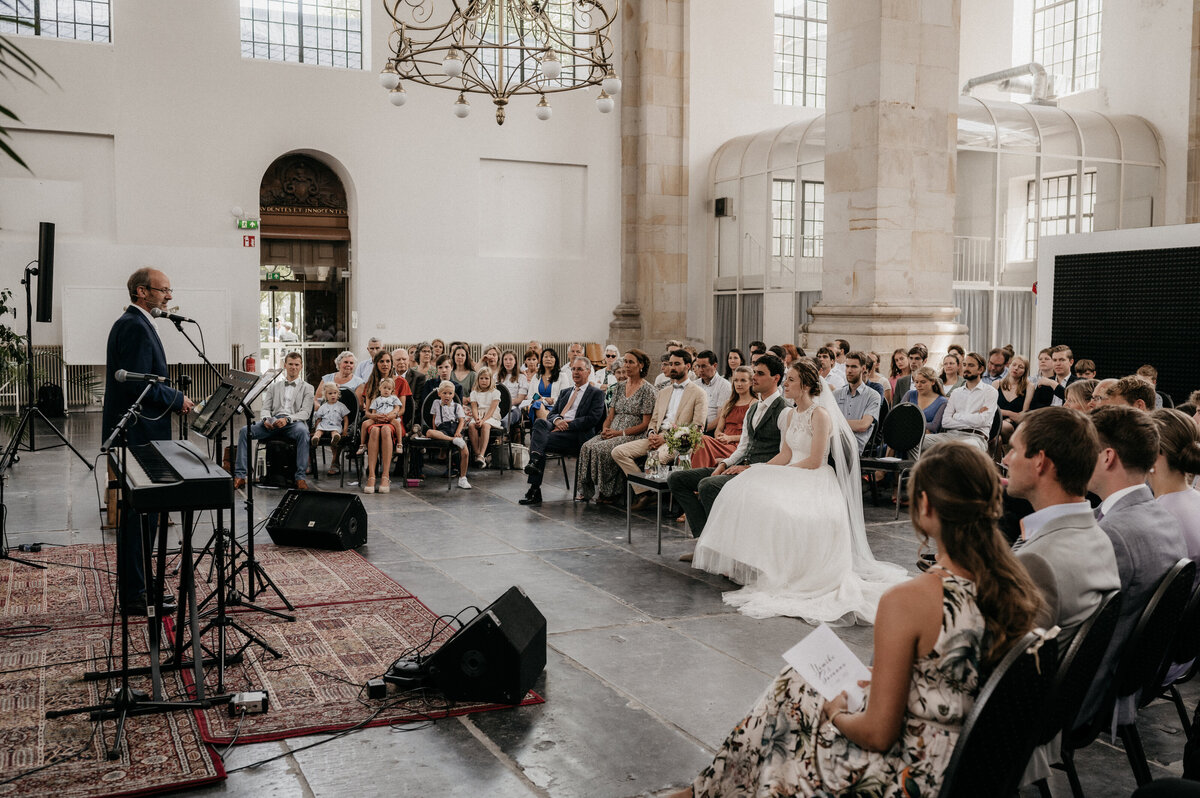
column 253, row 702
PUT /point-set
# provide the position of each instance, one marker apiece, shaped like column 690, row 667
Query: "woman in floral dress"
column 958, row 619
column 628, row 417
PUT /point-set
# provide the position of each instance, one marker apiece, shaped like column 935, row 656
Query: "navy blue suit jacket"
column 133, row 345
column 588, row 416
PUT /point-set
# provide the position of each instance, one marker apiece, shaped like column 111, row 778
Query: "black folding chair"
column 1077, row 671
column 499, row 435
column 903, row 431
column 999, row 734
column 1140, row 673
column 1186, row 650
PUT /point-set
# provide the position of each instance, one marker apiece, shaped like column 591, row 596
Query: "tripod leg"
column 61, row 437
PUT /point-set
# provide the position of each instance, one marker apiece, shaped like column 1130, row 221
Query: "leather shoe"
column 536, row 465
column 685, row 557
column 301, row 485
column 239, row 483
column 533, row 497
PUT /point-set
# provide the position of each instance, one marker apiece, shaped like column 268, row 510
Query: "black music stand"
column 126, row 701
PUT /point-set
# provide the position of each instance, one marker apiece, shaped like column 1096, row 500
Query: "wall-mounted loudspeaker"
column 722, row 207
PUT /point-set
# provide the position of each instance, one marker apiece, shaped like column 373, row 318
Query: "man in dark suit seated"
column 134, row 345
column 1146, row 538
column 574, row 419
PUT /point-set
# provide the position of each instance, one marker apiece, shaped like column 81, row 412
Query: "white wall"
column 730, row 71
column 147, row 143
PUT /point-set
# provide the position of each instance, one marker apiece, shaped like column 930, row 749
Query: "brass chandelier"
column 501, row 49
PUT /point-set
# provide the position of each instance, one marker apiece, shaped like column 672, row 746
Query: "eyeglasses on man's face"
column 165, row 290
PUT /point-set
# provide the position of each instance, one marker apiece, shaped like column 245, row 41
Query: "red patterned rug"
column 329, row 653
column 76, row 588
column 40, row 673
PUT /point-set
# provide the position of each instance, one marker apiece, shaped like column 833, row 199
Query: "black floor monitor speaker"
column 319, row 520
column 497, row 656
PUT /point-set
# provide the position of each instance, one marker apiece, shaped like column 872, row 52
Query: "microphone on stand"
column 132, row 376
column 159, row 313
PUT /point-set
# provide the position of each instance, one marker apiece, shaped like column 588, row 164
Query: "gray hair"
column 345, row 353
column 586, row 362
column 374, row 340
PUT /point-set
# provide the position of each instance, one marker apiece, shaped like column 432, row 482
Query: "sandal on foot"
column 333, row 471
column 369, row 486
column 385, row 486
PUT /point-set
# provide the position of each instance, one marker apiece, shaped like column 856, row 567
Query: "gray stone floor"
column 647, row 669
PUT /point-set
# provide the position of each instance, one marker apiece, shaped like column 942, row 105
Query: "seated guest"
column 664, row 369
column 1189, row 409
column 463, row 371
column 369, row 390
column 697, row 488
column 286, row 407
column 576, row 350
column 1100, row 392
column 922, row 688
column 716, row 387
column 917, row 355
column 1013, row 396
column 379, row 432
column 607, row 376
column 791, row 354
column 524, row 377
column 1085, row 369
column 402, row 367
column 824, row 359
column 535, row 347
column 997, row 365
column 374, row 347
column 898, row 369
column 1133, row 392
column 423, row 360
column 610, row 392
column 969, row 410
column 628, row 417
column 858, row 403
column 733, row 359
column 778, row 352
column 927, row 395
column 446, row 422
column 573, row 419
column 1150, row 375
column 544, row 390
column 951, row 376
column 757, row 350
column 484, row 414
column 491, row 358
column 1063, row 362
column 330, row 423
column 874, row 379
column 730, row 421
column 1047, row 392
column 1079, row 395
column 680, row 403
column 1145, row 536
column 344, row 377
column 441, row 374
column 1178, row 456
column 509, row 375
column 840, row 347
column 439, row 348
column 1066, row 553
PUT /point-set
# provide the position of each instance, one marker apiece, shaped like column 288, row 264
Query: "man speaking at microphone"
column 134, row 346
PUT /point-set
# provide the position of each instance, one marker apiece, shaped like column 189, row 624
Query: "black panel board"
column 1126, row 309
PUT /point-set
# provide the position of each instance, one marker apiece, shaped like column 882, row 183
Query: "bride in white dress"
column 792, row 530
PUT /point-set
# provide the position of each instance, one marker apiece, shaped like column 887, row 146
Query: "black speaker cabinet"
column 497, row 656
column 319, row 520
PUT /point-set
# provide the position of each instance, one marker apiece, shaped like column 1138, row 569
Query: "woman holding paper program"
column 934, row 635
column 805, row 554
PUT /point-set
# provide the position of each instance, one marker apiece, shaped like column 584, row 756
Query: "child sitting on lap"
column 448, row 419
column 331, row 419
column 378, row 434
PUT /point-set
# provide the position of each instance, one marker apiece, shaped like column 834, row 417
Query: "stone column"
column 891, row 142
column 654, row 175
column 1193, row 156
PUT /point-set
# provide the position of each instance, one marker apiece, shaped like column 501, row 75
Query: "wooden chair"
column 1002, row 729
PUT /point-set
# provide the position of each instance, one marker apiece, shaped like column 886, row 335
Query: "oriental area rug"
column 351, row 622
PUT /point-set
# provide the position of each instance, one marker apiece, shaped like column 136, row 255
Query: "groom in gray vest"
column 759, row 443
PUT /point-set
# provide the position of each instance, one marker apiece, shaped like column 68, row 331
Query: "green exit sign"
column 247, row 224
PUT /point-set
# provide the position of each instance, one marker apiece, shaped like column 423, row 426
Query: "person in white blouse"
column 607, row 376
column 969, row 409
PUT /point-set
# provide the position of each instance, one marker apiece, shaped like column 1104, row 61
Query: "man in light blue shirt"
column 858, row 402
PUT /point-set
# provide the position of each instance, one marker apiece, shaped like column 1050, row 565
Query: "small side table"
column 658, row 484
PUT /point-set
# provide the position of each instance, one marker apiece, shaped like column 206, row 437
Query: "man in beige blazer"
column 680, row 402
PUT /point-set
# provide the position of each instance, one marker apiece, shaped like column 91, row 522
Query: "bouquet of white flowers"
column 683, row 439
